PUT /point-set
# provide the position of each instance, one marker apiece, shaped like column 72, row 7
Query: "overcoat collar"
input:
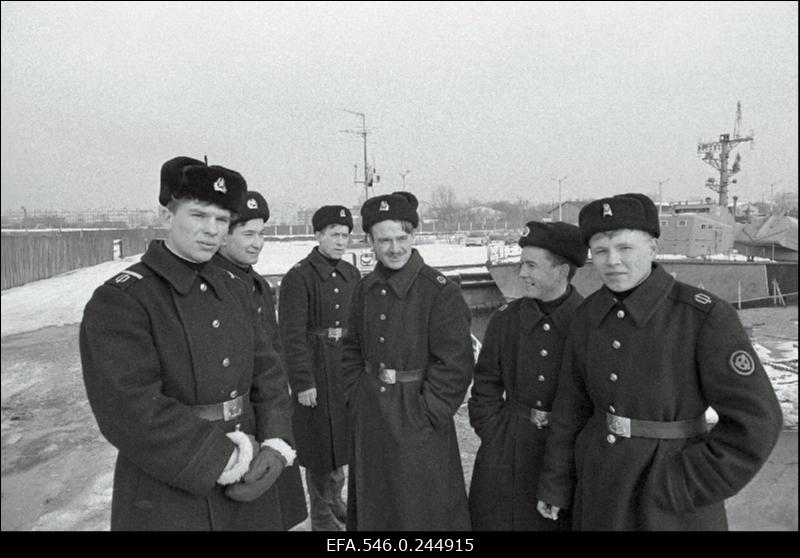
column 181, row 277
column 401, row 281
column 641, row 304
column 323, row 267
column 246, row 274
column 531, row 315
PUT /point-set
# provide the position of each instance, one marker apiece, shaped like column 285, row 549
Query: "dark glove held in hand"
column 264, row 471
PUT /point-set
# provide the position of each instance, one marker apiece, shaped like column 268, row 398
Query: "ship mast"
column 716, row 154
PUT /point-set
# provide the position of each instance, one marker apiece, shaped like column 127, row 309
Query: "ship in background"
column 749, row 265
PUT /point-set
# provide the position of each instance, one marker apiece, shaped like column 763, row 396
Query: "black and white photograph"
column 399, row 273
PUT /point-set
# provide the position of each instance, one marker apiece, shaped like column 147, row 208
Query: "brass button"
column 613, row 377
column 203, row 287
column 336, row 306
column 382, row 365
column 336, row 290
column 226, row 362
column 383, row 388
column 259, row 309
column 611, row 438
column 538, row 403
column 546, row 327
column 337, row 322
column 541, row 378
column 383, row 316
column 215, row 324
column 616, row 344
column 543, row 352
column 233, row 394
column 383, row 292
column 381, row 339
column 611, row 409
column 333, row 274
column 620, row 314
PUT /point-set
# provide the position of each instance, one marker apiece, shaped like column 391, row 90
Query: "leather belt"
column 392, row 376
column 227, row 410
column 540, row 418
column 334, row 333
column 634, row 428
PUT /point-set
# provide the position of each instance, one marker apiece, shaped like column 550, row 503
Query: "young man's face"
column 243, row 245
column 543, row 279
column 392, row 244
column 623, row 258
column 195, row 229
column 333, row 241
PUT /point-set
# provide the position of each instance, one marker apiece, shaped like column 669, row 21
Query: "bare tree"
column 444, row 203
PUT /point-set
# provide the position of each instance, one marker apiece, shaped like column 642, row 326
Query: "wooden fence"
column 32, row 255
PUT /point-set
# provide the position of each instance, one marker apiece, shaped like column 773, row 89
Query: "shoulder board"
column 434, row 276
column 124, row 279
column 694, row 296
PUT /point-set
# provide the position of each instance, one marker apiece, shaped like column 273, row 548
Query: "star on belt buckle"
column 232, row 409
column 621, row 426
column 334, row 333
column 388, row 375
column 540, row 418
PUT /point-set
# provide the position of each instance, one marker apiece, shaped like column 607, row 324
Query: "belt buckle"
column 232, row 409
column 621, row 426
column 334, row 333
column 540, row 418
column 388, row 375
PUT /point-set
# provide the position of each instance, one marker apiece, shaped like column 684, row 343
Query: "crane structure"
column 717, row 153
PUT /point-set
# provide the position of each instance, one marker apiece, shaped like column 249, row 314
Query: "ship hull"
column 745, row 284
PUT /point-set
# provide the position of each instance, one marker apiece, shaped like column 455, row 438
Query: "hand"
column 264, row 471
column 308, row 398
column 548, row 511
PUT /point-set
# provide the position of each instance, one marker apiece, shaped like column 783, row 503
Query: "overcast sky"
column 494, row 100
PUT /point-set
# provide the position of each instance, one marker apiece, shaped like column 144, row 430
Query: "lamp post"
column 660, row 196
column 559, row 180
column 403, row 175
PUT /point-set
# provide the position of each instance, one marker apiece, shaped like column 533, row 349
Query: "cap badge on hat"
column 252, row 203
column 219, row 185
column 384, row 206
column 607, row 210
column 526, row 231
column 342, row 213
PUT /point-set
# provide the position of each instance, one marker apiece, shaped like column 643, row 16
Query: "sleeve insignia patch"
column 702, row 298
column 742, row 363
column 441, row 279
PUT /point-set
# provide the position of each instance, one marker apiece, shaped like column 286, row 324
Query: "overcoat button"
column 215, row 324
column 616, row 344
column 226, row 362
column 234, row 393
column 203, row 287
column 612, row 377
column 611, row 409
column 538, row 403
column 611, row 438
column 620, row 314
column 546, row 327
column 541, row 378
column 383, row 316
column 543, row 352
column 383, row 388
